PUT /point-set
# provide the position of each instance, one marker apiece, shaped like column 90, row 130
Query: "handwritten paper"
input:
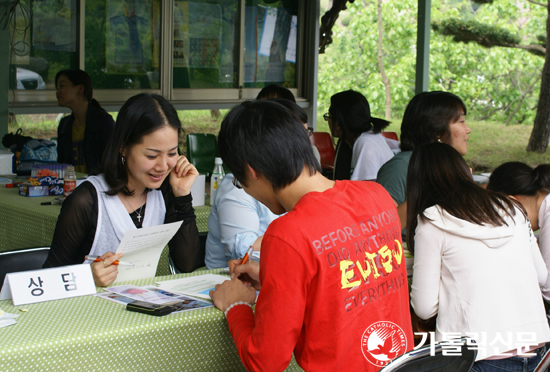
column 196, row 286
column 143, row 248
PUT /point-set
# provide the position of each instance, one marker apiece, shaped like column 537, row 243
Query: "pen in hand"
column 247, row 255
column 117, row 262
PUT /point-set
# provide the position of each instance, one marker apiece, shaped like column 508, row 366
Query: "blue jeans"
column 510, row 364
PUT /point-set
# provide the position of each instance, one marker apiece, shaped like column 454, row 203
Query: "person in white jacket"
column 531, row 187
column 477, row 266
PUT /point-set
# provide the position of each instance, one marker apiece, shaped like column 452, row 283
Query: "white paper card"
column 291, row 46
column 143, row 248
column 28, row 287
column 268, row 31
column 196, row 286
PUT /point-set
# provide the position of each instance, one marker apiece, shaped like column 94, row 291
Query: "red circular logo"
column 383, row 341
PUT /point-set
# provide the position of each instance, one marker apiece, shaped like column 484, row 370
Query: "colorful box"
column 42, row 187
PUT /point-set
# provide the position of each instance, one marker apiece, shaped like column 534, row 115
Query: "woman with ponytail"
column 82, row 136
column 531, row 187
column 349, row 118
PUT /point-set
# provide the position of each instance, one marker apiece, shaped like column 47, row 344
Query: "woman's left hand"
column 182, row 177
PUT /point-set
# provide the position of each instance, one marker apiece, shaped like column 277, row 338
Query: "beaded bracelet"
column 235, row 304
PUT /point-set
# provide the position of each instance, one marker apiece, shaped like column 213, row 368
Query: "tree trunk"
column 385, row 79
column 538, row 142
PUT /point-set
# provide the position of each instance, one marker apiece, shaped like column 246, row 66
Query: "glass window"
column 270, row 33
column 122, row 48
column 204, row 42
column 43, row 40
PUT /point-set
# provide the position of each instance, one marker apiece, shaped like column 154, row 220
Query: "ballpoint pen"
column 247, row 255
column 117, row 262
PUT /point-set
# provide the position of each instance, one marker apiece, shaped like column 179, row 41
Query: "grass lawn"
column 490, row 144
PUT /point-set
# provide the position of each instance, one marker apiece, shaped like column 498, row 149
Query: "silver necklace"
column 138, row 212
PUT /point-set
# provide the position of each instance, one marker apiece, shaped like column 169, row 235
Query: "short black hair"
column 269, row 138
column 292, row 107
column 428, row 116
column 141, row 115
column 351, row 110
column 276, row 91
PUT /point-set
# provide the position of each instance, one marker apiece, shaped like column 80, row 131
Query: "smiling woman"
column 144, row 183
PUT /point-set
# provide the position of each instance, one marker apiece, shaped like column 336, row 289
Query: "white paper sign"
column 143, row 248
column 28, row 287
column 291, row 46
column 268, row 31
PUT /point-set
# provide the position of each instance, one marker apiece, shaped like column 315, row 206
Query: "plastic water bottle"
column 217, row 177
column 69, row 180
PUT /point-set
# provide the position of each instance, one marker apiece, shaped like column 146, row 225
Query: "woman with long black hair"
column 477, row 266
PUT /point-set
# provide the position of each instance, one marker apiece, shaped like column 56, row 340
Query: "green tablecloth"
column 24, row 223
column 92, row 334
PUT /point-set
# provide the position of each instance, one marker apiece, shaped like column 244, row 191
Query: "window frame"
column 44, row 101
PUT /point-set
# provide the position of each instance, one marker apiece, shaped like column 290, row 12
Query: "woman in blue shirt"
column 237, row 221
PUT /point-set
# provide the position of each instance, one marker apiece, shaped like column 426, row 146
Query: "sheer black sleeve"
column 75, row 229
column 185, row 249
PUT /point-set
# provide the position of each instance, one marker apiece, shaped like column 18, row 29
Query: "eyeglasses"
column 236, row 183
column 310, row 131
column 327, row 116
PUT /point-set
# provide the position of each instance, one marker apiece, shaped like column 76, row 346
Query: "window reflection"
column 42, row 42
column 270, row 44
column 122, row 43
column 203, row 47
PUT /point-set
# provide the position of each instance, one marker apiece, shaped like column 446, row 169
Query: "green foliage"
column 492, row 82
column 470, row 30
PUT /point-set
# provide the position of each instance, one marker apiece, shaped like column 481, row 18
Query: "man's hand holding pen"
column 249, row 273
column 242, row 286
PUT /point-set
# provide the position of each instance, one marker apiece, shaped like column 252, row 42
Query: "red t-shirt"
column 334, row 286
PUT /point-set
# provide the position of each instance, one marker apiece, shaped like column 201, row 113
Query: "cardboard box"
column 31, row 190
column 49, row 186
column 6, row 162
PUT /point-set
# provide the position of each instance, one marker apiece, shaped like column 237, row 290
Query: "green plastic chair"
column 202, row 149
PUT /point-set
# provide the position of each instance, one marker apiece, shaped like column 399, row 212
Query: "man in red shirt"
column 332, row 274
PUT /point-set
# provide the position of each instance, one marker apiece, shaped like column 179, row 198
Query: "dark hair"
column 141, row 115
column 276, row 91
column 292, row 107
column 269, row 138
column 515, row 178
column 427, row 117
column 438, row 175
column 351, row 110
column 78, row 77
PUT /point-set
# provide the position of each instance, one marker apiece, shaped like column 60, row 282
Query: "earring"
column 438, row 140
column 123, row 160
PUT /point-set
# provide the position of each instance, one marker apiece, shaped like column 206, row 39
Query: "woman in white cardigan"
column 477, row 266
